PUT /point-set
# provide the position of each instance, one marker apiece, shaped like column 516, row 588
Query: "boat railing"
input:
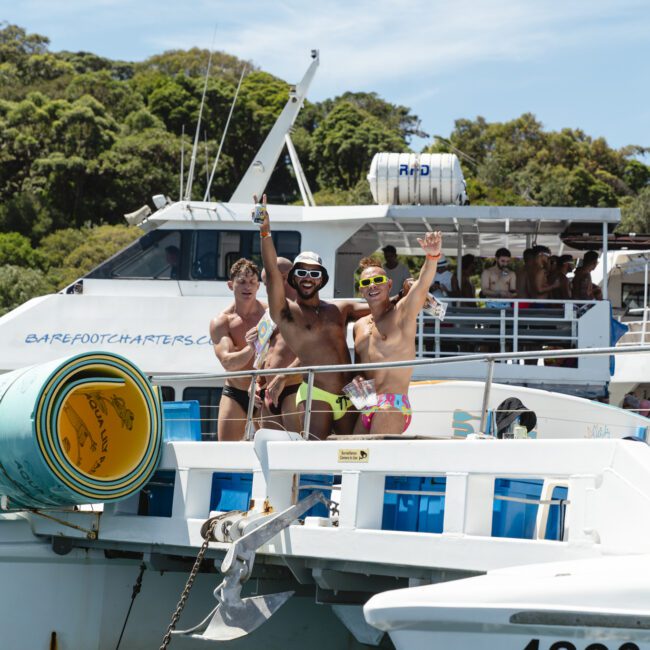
column 504, row 325
column 489, row 359
column 638, row 329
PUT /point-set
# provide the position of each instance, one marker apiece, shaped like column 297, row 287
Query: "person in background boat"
column 499, row 281
column 173, row 258
column 466, row 289
column 523, row 273
column 441, row 285
column 235, row 351
column 278, row 393
column 564, row 266
column 539, row 286
column 582, row 288
column 316, row 332
column 633, row 403
column 388, row 334
column 395, row 270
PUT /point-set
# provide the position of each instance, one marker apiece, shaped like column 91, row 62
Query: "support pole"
column 486, row 394
column 605, row 269
column 310, row 386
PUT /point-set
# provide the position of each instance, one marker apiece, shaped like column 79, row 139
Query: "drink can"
column 259, row 213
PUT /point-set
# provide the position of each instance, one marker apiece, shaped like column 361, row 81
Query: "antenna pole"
column 190, row 175
column 223, row 136
column 180, row 190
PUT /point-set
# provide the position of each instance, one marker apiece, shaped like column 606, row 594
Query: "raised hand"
column 432, row 243
column 264, row 223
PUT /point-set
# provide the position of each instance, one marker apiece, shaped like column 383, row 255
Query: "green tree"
column 346, row 140
column 16, row 250
column 19, row 284
column 99, row 244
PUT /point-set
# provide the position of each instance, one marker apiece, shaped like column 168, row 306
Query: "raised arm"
column 274, row 279
column 224, row 347
column 412, row 303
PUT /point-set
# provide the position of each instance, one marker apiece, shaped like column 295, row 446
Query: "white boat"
column 593, row 604
column 444, row 503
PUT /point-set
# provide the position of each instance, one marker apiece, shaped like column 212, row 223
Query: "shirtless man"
column 582, row 287
column 278, row 393
column 499, row 281
column 228, row 334
column 388, row 334
column 539, row 285
column 316, row 332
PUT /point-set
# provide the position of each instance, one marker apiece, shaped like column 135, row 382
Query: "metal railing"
column 311, row 371
column 502, row 322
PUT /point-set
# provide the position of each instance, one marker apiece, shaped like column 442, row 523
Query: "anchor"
column 234, row 616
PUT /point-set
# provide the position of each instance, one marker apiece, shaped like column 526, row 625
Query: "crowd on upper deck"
column 540, row 275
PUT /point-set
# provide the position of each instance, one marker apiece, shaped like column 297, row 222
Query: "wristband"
column 433, row 257
column 264, row 234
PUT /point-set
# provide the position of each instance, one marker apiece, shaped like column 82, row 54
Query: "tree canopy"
column 85, row 139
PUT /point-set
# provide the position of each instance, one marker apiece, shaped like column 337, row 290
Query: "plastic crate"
column 181, row 420
column 514, row 519
column 401, row 511
column 231, row 491
column 431, row 512
column 157, row 496
column 326, row 480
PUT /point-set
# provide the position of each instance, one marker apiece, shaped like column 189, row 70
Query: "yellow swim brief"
column 338, row 403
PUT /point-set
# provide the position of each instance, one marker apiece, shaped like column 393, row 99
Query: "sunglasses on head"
column 308, row 273
column 375, row 279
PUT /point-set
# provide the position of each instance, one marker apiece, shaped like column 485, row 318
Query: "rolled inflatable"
column 85, row 429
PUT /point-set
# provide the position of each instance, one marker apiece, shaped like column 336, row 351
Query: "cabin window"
column 191, row 254
column 287, row 244
column 632, row 296
column 160, row 260
column 167, row 393
column 208, row 398
column 215, row 251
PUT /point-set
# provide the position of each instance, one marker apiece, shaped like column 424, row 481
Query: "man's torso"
column 237, row 327
column 386, row 340
column 317, row 338
column 500, row 280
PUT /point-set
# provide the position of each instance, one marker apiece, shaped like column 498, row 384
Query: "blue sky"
column 576, row 63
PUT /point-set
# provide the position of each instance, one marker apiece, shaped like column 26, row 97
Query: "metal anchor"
column 234, row 616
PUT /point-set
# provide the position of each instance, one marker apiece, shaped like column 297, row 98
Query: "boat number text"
column 567, row 645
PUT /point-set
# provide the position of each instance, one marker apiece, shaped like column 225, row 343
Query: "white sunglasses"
column 303, row 273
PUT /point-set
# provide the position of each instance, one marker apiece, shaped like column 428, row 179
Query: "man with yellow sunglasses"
column 388, row 334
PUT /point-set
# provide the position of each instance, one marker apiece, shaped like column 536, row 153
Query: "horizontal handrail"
column 468, row 358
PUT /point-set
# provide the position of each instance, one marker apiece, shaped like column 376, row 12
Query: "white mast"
column 260, row 170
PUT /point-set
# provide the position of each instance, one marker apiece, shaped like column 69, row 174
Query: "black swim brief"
column 240, row 396
column 287, row 392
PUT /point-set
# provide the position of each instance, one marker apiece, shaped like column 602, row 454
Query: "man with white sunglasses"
column 388, row 334
column 315, row 330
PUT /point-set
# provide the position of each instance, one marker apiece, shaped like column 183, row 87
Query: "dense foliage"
column 84, row 139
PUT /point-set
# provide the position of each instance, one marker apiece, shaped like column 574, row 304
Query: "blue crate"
column 431, row 512
column 510, row 518
column 401, row 511
column 555, row 522
column 181, row 420
column 517, row 520
column 157, row 496
column 231, row 491
column 326, row 480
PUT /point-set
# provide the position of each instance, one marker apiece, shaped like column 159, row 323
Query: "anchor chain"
column 190, row 581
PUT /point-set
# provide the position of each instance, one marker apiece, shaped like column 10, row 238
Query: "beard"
column 306, row 295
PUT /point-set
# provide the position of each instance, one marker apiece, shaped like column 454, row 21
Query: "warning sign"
column 353, row 455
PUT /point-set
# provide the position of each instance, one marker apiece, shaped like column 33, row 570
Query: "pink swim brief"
column 388, row 401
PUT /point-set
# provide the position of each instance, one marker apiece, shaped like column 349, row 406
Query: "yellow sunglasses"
column 375, row 279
